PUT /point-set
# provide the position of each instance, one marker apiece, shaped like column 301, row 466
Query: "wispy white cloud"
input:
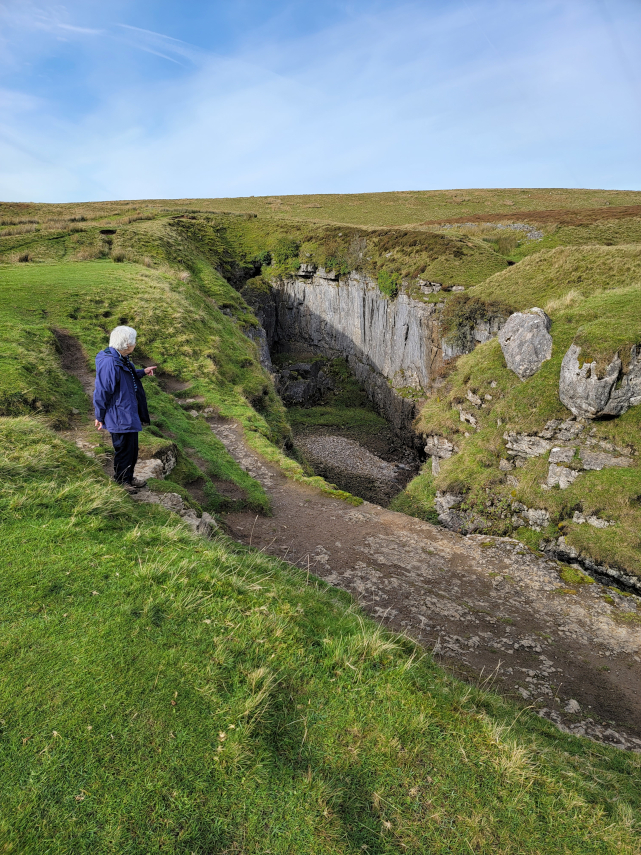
column 408, row 98
column 148, row 40
column 84, row 31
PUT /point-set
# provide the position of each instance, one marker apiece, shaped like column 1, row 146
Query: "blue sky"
column 168, row 99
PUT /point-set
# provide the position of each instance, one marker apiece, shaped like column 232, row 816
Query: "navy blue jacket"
column 116, row 403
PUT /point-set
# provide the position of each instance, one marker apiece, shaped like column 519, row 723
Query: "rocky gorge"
column 395, row 348
column 400, row 350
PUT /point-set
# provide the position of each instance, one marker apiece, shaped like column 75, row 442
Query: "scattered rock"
column 572, row 706
column 204, row 526
column 561, row 476
column 599, row 460
column 561, row 455
column 526, row 342
column 523, row 445
column 473, row 399
column 468, row 418
column 355, row 468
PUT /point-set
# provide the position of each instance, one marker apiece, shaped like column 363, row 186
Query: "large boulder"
column 589, row 396
column 526, row 342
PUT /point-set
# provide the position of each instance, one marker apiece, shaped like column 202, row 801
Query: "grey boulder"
column 587, row 395
column 526, row 342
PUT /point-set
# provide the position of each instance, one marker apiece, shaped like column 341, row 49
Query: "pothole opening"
column 337, row 431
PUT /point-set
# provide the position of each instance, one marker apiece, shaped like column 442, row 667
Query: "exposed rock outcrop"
column 452, row 514
column 158, row 466
column 564, row 466
column 600, row 460
column 204, row 525
column 586, row 394
column 439, row 448
column 526, row 342
column 258, row 335
column 561, row 550
column 391, row 346
column 467, row 339
column 561, row 476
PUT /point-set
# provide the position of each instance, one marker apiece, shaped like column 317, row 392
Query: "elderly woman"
column 120, row 403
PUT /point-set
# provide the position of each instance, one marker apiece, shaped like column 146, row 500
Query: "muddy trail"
column 486, row 607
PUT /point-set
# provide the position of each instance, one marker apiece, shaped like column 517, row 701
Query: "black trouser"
column 125, row 455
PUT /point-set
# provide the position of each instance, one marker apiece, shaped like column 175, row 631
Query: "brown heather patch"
column 565, row 217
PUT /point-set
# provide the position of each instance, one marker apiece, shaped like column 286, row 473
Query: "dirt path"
column 483, row 605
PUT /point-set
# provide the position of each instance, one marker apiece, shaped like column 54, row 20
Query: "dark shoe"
column 129, row 487
column 138, row 482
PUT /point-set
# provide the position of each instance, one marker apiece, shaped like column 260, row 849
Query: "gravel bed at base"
column 351, row 467
column 348, row 454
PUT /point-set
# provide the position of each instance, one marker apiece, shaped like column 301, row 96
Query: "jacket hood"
column 107, row 353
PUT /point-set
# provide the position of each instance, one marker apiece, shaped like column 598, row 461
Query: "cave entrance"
column 337, row 431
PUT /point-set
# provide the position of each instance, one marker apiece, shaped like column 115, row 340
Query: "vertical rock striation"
column 392, row 347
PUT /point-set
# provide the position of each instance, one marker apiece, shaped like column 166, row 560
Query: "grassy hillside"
column 160, row 693
column 593, row 296
column 164, row 694
column 358, row 209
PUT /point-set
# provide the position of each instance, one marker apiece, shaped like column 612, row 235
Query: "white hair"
column 122, row 337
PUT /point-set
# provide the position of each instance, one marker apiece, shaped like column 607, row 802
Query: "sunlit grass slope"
column 180, row 329
column 160, row 693
column 190, row 322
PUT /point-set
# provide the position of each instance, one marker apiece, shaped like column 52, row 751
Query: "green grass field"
column 164, row 694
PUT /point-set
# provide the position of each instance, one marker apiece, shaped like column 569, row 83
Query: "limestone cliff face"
column 392, row 346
